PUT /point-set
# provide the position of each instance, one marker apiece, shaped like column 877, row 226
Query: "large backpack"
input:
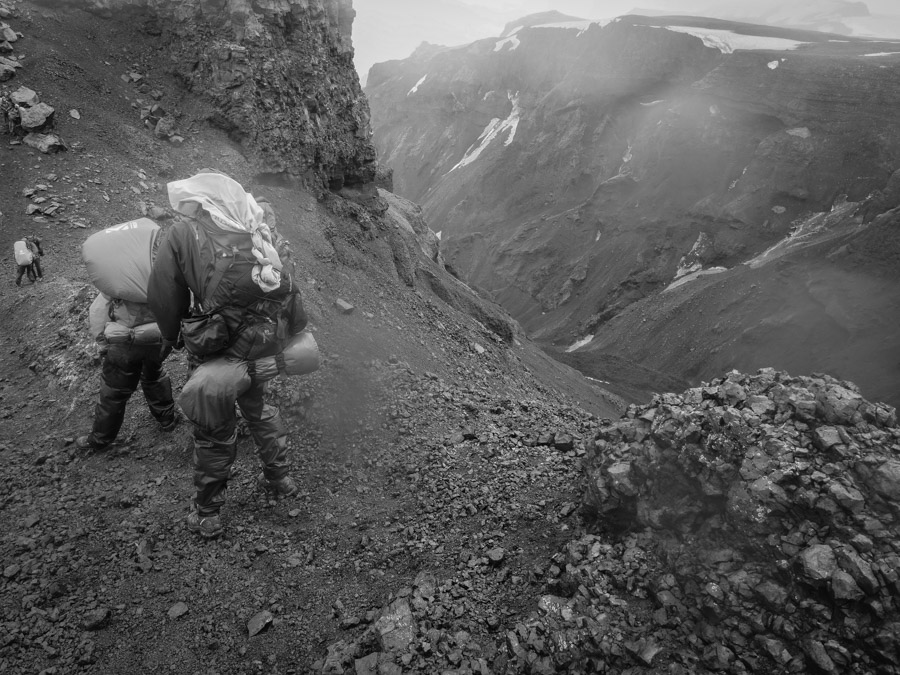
column 233, row 316
column 24, row 256
column 119, row 258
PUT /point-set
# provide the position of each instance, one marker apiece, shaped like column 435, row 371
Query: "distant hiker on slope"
column 8, row 112
column 119, row 260
column 222, row 285
column 25, row 253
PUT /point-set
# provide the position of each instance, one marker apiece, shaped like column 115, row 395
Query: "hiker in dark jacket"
column 38, row 251
column 29, row 269
column 6, row 116
column 125, row 365
column 185, row 270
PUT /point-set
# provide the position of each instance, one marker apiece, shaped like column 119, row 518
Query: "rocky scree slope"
column 575, row 170
column 744, row 526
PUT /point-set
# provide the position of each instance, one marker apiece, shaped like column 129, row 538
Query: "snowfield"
column 417, row 85
column 727, row 41
column 492, row 131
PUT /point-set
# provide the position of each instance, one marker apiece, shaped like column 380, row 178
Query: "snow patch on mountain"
column 417, row 85
column 727, row 41
column 580, row 343
column 882, row 54
column 511, row 40
column 492, row 131
column 695, row 275
column 816, row 228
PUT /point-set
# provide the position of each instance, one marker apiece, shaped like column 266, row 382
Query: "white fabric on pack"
column 234, row 210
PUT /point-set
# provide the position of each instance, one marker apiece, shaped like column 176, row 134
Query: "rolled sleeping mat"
column 300, row 357
column 146, row 334
column 119, row 258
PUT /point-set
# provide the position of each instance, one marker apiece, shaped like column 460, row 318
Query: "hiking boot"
column 169, row 426
column 281, row 487
column 208, row 527
column 85, row 443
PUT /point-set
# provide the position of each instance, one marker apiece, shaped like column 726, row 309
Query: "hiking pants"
column 208, row 400
column 124, row 366
column 37, row 267
column 22, row 270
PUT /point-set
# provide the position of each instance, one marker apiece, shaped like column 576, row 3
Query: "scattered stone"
column 74, row 114
column 178, row 610
column 818, row 563
column 25, row 97
column 165, row 127
column 46, row 143
column 343, row 306
column 259, row 622
column 395, row 629
column 496, row 555
column 95, row 619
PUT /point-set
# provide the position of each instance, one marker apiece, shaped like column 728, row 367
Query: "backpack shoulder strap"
column 220, row 267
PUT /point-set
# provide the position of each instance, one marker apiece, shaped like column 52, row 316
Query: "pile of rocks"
column 746, row 525
column 770, row 507
column 8, row 37
column 153, row 115
column 8, row 64
column 37, row 120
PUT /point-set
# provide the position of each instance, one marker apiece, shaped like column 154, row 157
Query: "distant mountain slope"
column 574, row 170
column 838, row 16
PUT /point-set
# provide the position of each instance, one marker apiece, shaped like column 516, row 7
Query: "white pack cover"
column 119, row 259
column 233, row 210
column 24, row 256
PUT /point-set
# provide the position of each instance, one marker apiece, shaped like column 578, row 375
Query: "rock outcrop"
column 277, row 75
column 773, row 501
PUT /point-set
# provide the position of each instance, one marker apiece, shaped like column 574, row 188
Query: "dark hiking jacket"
column 177, row 272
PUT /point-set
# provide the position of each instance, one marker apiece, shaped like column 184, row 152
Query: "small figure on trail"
column 25, row 253
column 222, row 286
column 9, row 113
column 118, row 260
column 12, row 115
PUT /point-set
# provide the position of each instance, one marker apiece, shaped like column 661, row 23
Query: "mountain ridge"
column 570, row 192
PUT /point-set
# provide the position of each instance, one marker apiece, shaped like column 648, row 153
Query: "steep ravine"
column 575, row 171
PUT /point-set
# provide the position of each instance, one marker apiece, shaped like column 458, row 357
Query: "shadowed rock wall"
column 278, row 75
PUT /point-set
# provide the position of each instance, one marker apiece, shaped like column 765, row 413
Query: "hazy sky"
column 391, row 29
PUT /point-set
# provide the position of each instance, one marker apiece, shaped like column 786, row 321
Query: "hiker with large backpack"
column 25, row 253
column 222, row 286
column 118, row 261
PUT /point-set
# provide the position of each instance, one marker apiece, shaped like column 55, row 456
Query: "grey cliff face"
column 278, row 75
